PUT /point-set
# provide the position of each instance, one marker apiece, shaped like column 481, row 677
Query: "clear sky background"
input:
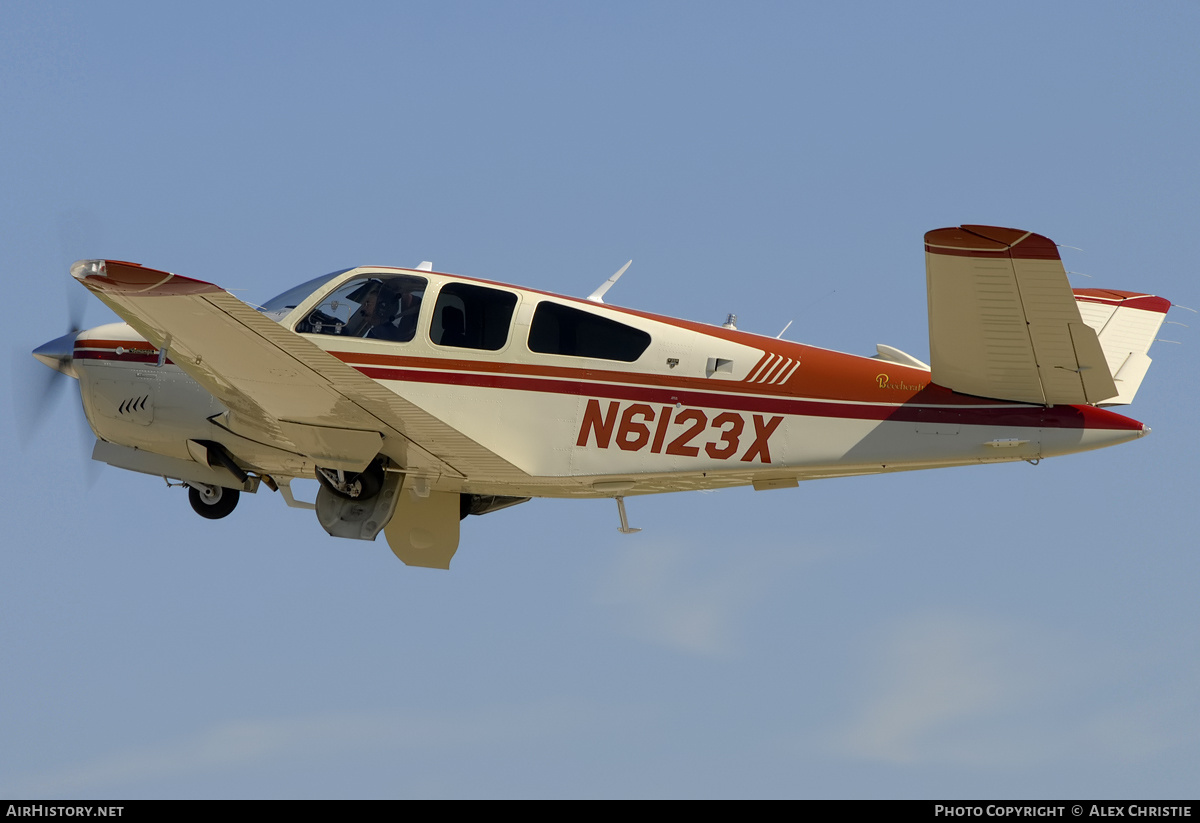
column 1001, row 631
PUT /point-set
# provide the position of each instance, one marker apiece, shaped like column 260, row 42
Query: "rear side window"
column 472, row 317
column 558, row 329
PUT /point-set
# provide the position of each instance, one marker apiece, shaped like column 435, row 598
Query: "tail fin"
column 1004, row 323
column 1126, row 323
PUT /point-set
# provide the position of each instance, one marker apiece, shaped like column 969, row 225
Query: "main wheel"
column 214, row 502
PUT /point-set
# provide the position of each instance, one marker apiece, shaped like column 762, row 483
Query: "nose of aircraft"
column 58, row 354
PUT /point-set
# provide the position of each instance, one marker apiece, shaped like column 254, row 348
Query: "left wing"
column 280, row 388
column 1003, row 321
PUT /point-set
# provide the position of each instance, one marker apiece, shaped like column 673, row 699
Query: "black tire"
column 214, row 508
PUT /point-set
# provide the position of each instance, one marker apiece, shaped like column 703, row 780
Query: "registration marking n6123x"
column 635, row 426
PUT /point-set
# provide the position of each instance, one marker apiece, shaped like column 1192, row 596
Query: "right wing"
column 1003, row 321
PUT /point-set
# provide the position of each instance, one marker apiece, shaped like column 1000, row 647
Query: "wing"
column 1003, row 321
column 281, row 389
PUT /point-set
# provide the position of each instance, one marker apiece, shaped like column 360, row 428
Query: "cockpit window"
column 375, row 306
column 559, row 329
column 472, row 317
column 278, row 307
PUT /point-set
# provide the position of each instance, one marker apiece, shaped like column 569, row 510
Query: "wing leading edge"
column 1003, row 321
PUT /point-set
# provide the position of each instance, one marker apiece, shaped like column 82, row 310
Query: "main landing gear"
column 353, row 485
column 212, row 502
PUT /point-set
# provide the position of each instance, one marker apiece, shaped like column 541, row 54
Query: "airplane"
column 417, row 397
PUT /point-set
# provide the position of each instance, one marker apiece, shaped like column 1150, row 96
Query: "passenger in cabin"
column 454, row 327
column 410, row 307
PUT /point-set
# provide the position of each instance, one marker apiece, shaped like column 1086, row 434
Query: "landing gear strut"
column 350, row 485
column 212, row 502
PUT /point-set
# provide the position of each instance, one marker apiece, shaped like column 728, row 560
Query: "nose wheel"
column 213, row 502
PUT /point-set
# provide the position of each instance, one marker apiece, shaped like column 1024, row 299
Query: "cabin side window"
column 559, row 329
column 472, row 317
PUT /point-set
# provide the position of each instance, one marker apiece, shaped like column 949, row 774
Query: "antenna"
column 598, row 295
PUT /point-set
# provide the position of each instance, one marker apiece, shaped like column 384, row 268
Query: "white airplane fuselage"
column 418, row 398
column 703, row 407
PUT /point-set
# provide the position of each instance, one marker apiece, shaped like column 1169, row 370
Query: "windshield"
column 379, row 305
column 278, row 307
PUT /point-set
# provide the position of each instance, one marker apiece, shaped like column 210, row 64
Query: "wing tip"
column 121, row 276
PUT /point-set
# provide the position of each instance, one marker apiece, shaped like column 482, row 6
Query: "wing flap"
column 1000, row 320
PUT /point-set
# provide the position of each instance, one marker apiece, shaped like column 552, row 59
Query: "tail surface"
column 1126, row 323
column 1003, row 322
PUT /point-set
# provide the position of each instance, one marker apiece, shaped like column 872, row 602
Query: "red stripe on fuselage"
column 113, row 356
column 1077, row 417
column 135, row 351
column 930, row 404
column 825, row 374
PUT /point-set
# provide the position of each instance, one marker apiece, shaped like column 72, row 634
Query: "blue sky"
column 1002, row 631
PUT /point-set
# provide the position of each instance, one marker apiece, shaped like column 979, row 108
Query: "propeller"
column 59, row 352
column 38, row 390
column 42, row 389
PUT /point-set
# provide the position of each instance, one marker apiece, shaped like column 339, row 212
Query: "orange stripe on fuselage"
column 995, row 413
column 928, row 403
column 822, row 375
